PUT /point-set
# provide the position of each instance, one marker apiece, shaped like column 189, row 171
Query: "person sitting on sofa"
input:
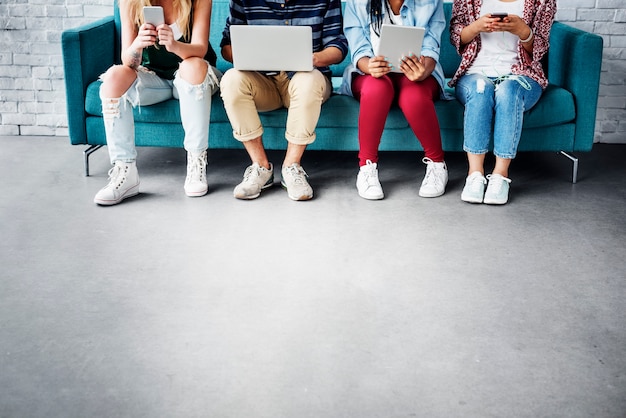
column 501, row 43
column 245, row 93
column 158, row 63
column 370, row 80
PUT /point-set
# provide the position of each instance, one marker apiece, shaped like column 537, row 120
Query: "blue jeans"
column 500, row 102
column 149, row 89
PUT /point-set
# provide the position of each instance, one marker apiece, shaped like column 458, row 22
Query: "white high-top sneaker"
column 123, row 183
column 196, row 183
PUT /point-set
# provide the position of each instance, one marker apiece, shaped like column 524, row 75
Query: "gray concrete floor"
column 167, row 306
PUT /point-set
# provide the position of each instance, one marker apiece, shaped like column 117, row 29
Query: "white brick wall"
column 606, row 18
column 32, row 93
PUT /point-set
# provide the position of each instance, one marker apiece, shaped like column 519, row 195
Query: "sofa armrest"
column 87, row 52
column 574, row 63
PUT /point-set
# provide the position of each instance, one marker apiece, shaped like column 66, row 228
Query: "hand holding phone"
column 499, row 16
column 153, row 15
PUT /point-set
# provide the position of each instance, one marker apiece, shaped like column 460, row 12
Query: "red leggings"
column 415, row 99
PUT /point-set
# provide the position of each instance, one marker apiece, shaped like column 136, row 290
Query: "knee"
column 193, row 70
column 311, row 85
column 232, row 82
column 116, row 80
column 377, row 89
column 118, row 72
column 415, row 102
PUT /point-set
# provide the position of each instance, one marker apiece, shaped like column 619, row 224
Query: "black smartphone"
column 499, row 16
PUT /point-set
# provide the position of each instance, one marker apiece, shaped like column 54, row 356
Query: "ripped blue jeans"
column 499, row 103
column 148, row 89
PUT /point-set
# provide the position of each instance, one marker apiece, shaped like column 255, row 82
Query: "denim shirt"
column 424, row 13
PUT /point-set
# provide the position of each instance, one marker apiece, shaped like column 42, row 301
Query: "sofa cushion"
column 555, row 107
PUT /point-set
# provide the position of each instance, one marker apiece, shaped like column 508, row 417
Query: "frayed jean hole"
column 480, row 86
column 110, row 108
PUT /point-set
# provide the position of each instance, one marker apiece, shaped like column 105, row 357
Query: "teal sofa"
column 563, row 121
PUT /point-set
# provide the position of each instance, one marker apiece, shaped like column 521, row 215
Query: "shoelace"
column 371, row 176
column 116, row 176
column 298, row 173
column 476, row 183
column 251, row 171
column 197, row 167
column 496, row 186
column 431, row 177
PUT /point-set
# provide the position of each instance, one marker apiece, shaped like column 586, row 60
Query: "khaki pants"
column 245, row 93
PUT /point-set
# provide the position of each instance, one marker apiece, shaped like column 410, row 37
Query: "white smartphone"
column 153, row 15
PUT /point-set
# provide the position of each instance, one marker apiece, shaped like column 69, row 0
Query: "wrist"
column 528, row 38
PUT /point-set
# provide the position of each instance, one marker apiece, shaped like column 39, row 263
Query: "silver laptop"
column 398, row 41
column 272, row 48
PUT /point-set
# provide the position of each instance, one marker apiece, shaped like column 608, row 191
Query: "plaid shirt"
column 323, row 16
column 538, row 14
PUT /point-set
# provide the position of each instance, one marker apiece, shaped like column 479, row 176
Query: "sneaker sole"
column 495, row 202
column 471, row 200
column 197, row 194
column 296, row 198
column 364, row 196
column 431, row 195
column 133, row 191
column 251, row 197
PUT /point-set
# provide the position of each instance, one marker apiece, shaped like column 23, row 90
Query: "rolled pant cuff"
column 249, row 136
column 299, row 140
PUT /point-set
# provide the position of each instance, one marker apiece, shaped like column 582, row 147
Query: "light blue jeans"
column 148, row 89
column 500, row 102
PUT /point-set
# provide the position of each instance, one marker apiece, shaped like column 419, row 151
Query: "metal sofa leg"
column 574, row 165
column 87, row 153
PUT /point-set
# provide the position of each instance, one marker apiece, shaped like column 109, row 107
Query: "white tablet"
column 272, row 48
column 398, row 41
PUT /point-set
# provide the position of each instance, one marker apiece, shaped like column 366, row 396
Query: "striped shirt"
column 323, row 16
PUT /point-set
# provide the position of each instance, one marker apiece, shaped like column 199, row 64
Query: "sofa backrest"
column 448, row 56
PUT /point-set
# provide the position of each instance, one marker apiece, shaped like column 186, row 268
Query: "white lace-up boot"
column 123, row 183
column 196, row 182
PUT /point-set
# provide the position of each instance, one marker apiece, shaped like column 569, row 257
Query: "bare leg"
column 294, row 154
column 117, row 80
column 502, row 166
column 476, row 163
column 256, row 151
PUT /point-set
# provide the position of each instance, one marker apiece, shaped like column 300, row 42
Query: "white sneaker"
column 294, row 180
column 497, row 190
column 367, row 182
column 435, row 180
column 255, row 179
column 474, row 189
column 196, row 183
column 123, row 183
